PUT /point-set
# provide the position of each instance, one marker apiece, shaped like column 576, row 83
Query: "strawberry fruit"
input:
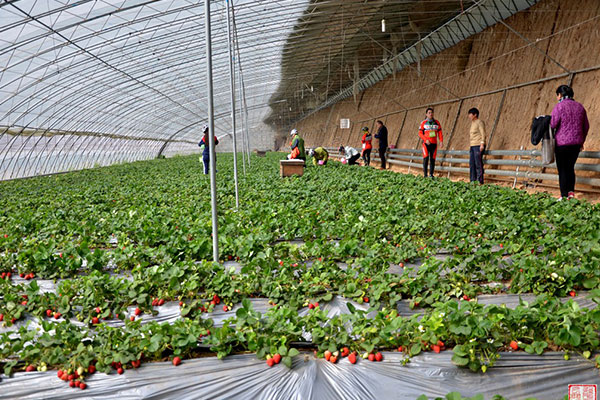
column 277, row 358
column 514, row 345
column 352, row 358
column 176, row 361
column 378, row 356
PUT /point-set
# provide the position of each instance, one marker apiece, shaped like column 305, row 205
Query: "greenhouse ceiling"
column 80, row 79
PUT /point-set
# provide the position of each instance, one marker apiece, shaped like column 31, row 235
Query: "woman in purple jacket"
column 570, row 121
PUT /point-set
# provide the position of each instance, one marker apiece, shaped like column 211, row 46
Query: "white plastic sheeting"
column 515, row 376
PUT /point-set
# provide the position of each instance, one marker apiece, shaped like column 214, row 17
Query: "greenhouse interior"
column 299, row 199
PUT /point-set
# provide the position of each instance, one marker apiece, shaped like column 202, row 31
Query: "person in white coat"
column 350, row 154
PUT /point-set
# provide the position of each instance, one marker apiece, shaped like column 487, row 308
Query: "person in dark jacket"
column 382, row 135
column 570, row 121
column 206, row 149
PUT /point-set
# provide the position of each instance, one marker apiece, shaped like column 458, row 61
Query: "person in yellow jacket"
column 319, row 155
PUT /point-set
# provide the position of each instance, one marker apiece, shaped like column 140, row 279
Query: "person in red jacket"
column 430, row 131
column 367, row 146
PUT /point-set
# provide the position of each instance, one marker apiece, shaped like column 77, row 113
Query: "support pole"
column 232, row 87
column 243, row 125
column 211, row 132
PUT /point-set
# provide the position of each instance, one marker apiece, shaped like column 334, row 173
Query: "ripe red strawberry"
column 98, row 310
column 120, row 370
column 270, row 362
column 72, row 384
column 225, row 308
column 327, row 355
column 82, row 386
column 77, row 383
column 436, row 348
column 316, row 304
column 91, row 369
column 161, row 302
column 467, row 298
column 366, row 299
column 311, row 306
column 70, row 377
column 501, row 245
column 281, row 262
column 30, row 368
column 136, row 363
column 277, row 358
column 22, row 275
column 180, row 303
column 352, row 358
column 333, row 359
column 371, row 357
column 65, row 377
column 13, row 320
column 400, row 349
column 572, row 293
column 440, row 343
column 59, row 373
column 378, row 356
column 137, row 311
column 514, row 345
column 1, row 317
column 176, row 361
column 154, row 302
column 57, row 315
column 95, row 320
column 132, row 318
column 345, row 352
column 48, row 313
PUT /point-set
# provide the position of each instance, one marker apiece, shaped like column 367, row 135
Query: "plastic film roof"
column 94, row 82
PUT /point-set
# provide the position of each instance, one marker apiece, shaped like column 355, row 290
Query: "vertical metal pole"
column 243, row 123
column 245, row 111
column 211, row 131
column 232, row 86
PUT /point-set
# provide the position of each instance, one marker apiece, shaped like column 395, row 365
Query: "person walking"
column 367, row 146
column 297, row 146
column 570, row 121
column 382, row 136
column 477, row 142
column 430, row 131
column 205, row 148
column 350, row 154
column 320, row 156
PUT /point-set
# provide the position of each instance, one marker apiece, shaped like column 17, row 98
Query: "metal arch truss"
column 481, row 15
column 96, row 82
column 101, row 82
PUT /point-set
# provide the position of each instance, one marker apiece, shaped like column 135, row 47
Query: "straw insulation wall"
column 563, row 37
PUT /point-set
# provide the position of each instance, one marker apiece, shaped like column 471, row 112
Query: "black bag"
column 539, row 127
